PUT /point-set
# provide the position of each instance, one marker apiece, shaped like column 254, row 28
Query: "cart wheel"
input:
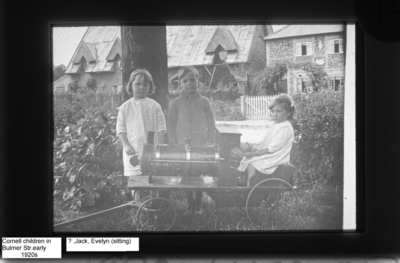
column 156, row 214
column 272, row 200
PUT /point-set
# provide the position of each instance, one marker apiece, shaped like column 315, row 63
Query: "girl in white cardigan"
column 275, row 148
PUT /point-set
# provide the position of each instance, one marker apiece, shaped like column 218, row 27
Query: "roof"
column 305, row 29
column 187, row 45
column 222, row 37
column 64, row 80
column 86, row 50
column 99, row 46
column 61, row 80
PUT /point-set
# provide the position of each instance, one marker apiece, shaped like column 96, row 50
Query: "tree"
column 58, row 72
column 267, row 79
column 146, row 47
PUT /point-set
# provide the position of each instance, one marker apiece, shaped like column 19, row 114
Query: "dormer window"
column 83, row 65
column 221, row 44
column 220, row 55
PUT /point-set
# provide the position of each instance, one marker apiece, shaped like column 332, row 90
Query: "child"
column 191, row 117
column 136, row 117
column 275, row 148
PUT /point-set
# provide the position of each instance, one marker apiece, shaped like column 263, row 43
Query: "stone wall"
column 279, row 50
column 285, row 49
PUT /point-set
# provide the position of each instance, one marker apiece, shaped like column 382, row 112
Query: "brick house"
column 224, row 53
column 320, row 44
column 96, row 61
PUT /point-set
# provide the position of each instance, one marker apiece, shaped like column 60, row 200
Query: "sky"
column 66, row 40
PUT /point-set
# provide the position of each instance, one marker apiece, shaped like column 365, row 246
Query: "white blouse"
column 137, row 117
column 278, row 139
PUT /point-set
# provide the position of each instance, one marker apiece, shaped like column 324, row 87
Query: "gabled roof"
column 86, row 50
column 304, row 30
column 99, row 46
column 116, row 48
column 187, row 45
column 222, row 37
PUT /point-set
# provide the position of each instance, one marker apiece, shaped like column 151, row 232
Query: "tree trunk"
column 145, row 47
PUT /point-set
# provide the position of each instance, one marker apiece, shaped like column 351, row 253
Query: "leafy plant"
column 74, row 86
column 265, row 82
column 227, row 110
column 58, row 72
column 320, row 128
column 87, row 162
column 316, row 73
column 91, row 84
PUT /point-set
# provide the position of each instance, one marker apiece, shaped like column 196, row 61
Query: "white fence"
column 256, row 107
column 88, row 100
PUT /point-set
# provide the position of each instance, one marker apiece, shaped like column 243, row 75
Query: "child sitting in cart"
column 274, row 150
column 191, row 118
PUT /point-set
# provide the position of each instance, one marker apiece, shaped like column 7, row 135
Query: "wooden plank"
column 208, row 184
column 227, row 129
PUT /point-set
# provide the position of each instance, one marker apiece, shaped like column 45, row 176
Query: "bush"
column 87, row 166
column 319, row 121
column 66, row 115
column 227, row 110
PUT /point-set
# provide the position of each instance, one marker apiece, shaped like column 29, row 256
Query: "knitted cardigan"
column 191, row 116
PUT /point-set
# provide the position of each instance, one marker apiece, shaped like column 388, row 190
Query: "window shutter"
column 341, row 45
column 298, row 49
column 309, row 48
column 331, row 46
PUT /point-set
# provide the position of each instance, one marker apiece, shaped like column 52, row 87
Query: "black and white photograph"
column 176, row 128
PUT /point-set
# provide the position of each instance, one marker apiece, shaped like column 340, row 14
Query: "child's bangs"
column 146, row 78
column 184, row 71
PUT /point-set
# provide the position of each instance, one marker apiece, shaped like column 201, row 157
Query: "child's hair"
column 185, row 70
column 287, row 102
column 147, row 77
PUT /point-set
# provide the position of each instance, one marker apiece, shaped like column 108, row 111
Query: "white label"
column 102, row 244
column 31, row 247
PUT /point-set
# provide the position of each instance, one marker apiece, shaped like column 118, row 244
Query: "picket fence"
column 88, row 100
column 256, row 107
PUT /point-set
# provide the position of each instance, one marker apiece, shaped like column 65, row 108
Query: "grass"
column 320, row 208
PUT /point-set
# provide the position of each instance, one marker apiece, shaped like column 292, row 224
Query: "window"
column 303, row 85
column 83, row 64
column 335, row 46
column 304, row 49
column 336, row 83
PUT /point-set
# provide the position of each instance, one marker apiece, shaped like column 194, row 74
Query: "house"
column 224, row 53
column 61, row 85
column 96, row 61
column 320, row 44
column 221, row 53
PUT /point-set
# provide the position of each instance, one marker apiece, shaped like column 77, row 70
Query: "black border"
column 26, row 170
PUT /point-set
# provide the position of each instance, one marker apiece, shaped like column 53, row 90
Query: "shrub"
column 87, row 166
column 66, row 115
column 227, row 110
column 319, row 121
column 265, row 81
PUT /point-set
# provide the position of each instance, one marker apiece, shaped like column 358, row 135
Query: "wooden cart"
column 265, row 195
